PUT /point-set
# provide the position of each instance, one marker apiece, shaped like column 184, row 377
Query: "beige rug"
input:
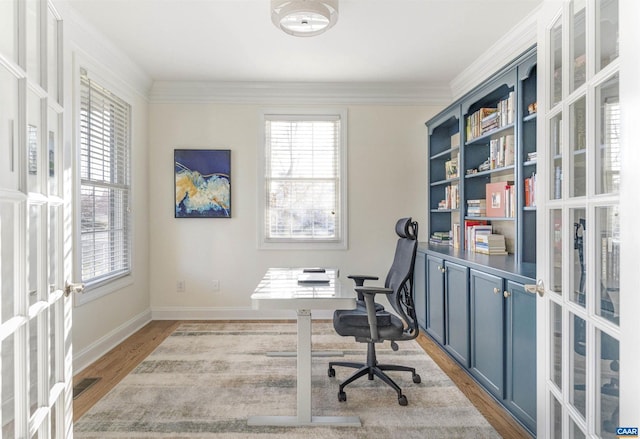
column 206, row 379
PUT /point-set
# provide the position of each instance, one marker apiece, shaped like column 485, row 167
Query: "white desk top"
column 280, row 289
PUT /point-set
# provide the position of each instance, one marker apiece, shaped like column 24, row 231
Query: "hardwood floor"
column 121, row 360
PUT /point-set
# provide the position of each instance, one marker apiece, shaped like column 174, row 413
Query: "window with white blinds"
column 104, row 184
column 304, row 178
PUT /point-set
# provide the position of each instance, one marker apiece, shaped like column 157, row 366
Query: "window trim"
column 105, row 79
column 302, row 244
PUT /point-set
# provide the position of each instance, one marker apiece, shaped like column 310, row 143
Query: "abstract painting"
column 202, row 183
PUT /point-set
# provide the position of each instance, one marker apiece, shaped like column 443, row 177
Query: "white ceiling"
column 399, row 41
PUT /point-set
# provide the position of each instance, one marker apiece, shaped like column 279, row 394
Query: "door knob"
column 72, row 288
column 537, row 288
column 506, row 294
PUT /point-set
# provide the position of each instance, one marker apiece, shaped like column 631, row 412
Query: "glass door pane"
column 34, row 140
column 578, row 269
column 555, row 270
column 555, row 332
column 8, row 388
column 578, row 364
column 607, row 30
column 53, row 152
column 7, row 253
column 578, row 142
column 52, row 57
column 608, row 384
column 608, row 273
column 607, row 162
column 8, row 28
column 555, row 142
column 579, row 46
column 556, row 63
column 33, row 40
column 9, row 129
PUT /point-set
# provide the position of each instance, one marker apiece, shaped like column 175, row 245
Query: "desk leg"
column 303, row 416
column 304, row 366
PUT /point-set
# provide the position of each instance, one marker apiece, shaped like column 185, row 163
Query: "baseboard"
column 229, row 313
column 104, row 344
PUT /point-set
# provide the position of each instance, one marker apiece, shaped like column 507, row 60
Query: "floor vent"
column 83, row 385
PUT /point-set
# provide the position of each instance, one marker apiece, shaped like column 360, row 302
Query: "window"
column 304, row 180
column 104, row 184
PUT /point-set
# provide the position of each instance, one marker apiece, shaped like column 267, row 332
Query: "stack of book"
column 451, row 167
column 487, row 119
column 474, row 228
column 532, row 156
column 501, row 151
column 440, row 238
column 490, row 244
column 530, row 190
column 476, row 208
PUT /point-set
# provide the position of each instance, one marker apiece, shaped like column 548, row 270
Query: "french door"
column 35, row 315
column 579, row 214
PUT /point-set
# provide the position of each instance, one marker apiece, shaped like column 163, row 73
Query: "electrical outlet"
column 215, row 285
column 180, row 286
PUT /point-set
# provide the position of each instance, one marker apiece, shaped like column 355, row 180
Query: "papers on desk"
column 313, row 278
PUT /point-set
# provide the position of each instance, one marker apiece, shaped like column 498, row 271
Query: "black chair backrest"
column 400, row 276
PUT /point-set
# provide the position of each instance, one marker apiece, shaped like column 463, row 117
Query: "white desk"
column 279, row 289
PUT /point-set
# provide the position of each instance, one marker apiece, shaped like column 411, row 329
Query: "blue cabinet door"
column 457, row 309
column 521, row 354
column 435, row 298
column 420, row 288
column 487, row 331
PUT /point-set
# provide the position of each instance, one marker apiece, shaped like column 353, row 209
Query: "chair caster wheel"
column 331, row 372
column 417, row 379
column 342, row 397
column 402, row 400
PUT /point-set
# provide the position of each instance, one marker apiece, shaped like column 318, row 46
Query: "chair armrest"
column 369, row 293
column 372, row 291
column 359, row 279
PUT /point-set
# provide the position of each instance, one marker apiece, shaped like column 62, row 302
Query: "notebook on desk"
column 313, row 278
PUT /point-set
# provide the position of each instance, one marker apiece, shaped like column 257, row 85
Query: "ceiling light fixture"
column 304, row 18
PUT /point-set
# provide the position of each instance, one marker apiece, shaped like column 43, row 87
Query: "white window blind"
column 303, row 178
column 105, row 183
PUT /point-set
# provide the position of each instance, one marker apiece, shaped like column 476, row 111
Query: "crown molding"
column 83, row 37
column 299, row 93
column 512, row 44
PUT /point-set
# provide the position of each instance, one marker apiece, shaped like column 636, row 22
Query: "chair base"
column 372, row 369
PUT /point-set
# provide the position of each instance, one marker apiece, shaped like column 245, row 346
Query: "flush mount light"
column 304, row 18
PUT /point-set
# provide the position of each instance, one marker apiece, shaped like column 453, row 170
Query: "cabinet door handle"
column 441, row 268
column 496, row 290
column 506, row 294
column 537, row 288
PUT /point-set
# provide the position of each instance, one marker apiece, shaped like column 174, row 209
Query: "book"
column 490, row 244
column 500, row 199
column 475, row 230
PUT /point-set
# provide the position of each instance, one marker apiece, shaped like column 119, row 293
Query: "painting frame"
column 202, row 183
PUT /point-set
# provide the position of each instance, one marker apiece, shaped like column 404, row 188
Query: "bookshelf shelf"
column 530, row 163
column 504, row 169
column 484, row 138
column 449, row 181
column 490, row 218
column 445, row 153
column 444, row 210
column 529, row 208
column 530, row 117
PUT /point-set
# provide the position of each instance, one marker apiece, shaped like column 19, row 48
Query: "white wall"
column 386, row 180
column 100, row 324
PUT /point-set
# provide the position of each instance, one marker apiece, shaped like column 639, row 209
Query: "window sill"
column 305, row 245
column 92, row 293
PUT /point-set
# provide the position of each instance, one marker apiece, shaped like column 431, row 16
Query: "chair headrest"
column 405, row 228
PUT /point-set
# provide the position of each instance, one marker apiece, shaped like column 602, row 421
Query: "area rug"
column 206, row 379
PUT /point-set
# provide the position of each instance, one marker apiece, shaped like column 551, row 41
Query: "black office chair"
column 373, row 324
